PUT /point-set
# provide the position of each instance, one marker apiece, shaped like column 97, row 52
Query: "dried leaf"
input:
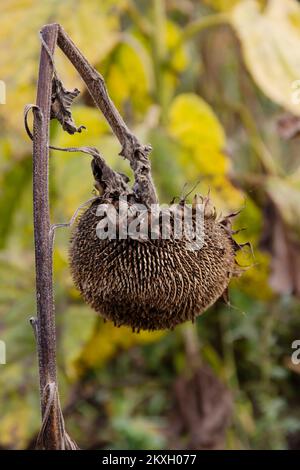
column 203, row 409
column 53, row 418
column 280, row 241
column 62, row 101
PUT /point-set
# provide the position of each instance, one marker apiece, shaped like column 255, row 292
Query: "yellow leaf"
column 201, row 142
column 270, row 40
column 255, row 278
column 227, row 5
column 179, row 59
column 91, row 24
column 16, row 422
column 193, row 122
column 222, row 5
column 128, row 89
column 106, row 340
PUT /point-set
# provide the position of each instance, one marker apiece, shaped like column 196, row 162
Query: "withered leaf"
column 203, row 407
column 284, row 246
column 62, row 101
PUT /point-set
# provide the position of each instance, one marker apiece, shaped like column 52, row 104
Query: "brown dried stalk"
column 132, row 149
column 52, row 434
column 48, row 106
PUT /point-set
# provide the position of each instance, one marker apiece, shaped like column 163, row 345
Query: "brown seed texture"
column 153, row 284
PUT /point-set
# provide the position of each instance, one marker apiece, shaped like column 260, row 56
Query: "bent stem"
column 136, row 153
column 52, row 434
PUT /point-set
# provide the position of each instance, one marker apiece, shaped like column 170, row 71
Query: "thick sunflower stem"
column 52, row 435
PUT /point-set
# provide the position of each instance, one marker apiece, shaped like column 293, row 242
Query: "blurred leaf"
column 201, row 146
column 255, row 279
column 19, row 419
column 76, row 325
column 106, row 340
column 168, row 174
column 92, row 28
column 270, row 40
column 129, row 91
column 194, row 124
column 206, row 424
column 180, row 59
column 222, row 5
column 13, row 182
column 285, row 193
column 281, row 235
column 138, row 432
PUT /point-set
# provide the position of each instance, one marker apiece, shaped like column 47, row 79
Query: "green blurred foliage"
column 204, row 82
